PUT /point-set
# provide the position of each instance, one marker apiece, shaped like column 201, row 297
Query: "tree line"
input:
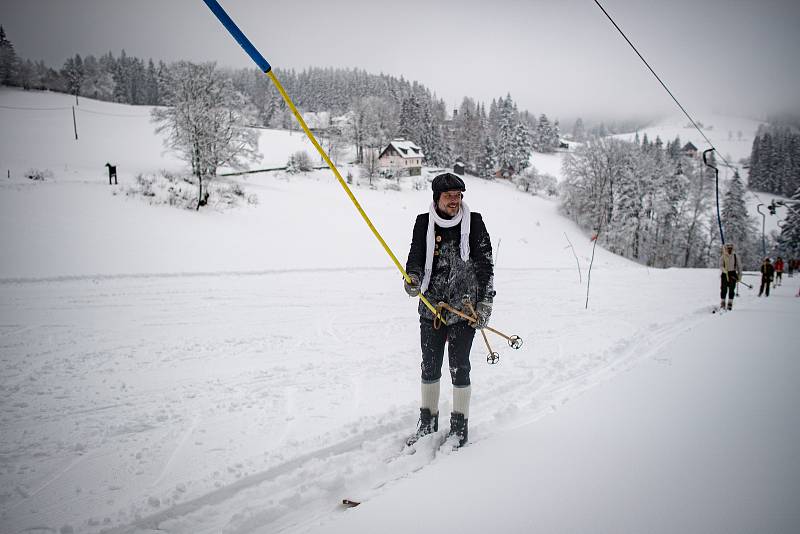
column 775, row 160
column 650, row 202
column 374, row 108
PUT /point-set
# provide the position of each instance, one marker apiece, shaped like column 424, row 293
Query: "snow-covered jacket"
column 452, row 277
column 729, row 263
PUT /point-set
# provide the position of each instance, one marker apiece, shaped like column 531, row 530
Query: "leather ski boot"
column 428, row 424
column 458, row 428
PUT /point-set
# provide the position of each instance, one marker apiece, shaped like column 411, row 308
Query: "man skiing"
column 450, row 261
column 731, row 272
column 767, row 270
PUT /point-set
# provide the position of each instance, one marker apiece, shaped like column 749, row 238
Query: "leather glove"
column 484, row 311
column 412, row 288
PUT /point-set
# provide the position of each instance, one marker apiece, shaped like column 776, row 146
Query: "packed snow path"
column 701, row 437
column 235, row 402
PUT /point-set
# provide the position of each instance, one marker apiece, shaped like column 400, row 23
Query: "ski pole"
column 264, row 65
column 493, row 357
column 515, row 342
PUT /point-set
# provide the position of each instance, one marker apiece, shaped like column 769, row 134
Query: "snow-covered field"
column 244, row 370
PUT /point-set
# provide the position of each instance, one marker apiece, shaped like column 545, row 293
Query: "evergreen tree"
column 9, row 63
column 579, row 131
column 74, row 75
column 151, row 97
column 789, row 239
column 543, row 139
column 411, row 115
column 487, row 163
column 522, row 146
column 493, row 122
column 507, row 144
column 738, row 226
column 431, row 140
column 555, row 140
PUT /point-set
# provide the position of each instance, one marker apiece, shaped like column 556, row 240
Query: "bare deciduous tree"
column 206, row 121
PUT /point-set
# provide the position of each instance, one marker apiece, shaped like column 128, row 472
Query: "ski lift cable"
column 33, row 109
column 126, row 115
column 664, row 85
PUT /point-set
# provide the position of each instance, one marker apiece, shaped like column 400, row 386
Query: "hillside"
column 244, row 369
column 171, row 240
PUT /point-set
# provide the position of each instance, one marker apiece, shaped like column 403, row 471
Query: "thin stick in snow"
column 589, row 276
column 580, row 276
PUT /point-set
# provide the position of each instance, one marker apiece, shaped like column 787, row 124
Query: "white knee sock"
column 461, row 395
column 430, row 397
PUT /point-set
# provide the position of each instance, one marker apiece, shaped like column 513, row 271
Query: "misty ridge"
column 131, row 80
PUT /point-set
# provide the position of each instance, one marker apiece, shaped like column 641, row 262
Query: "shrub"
column 39, row 175
column 300, row 161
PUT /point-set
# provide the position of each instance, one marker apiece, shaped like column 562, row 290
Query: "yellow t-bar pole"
column 264, row 65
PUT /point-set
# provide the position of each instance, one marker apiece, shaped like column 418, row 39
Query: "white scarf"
column 433, row 219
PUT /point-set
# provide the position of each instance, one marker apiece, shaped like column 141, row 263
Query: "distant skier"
column 450, row 258
column 731, row 272
column 767, row 270
column 778, row 271
column 112, row 173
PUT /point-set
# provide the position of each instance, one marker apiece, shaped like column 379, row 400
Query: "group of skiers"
column 771, row 273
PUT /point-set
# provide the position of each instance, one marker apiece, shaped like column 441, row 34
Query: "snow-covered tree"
column 522, row 146
column 206, row 121
column 74, row 74
column 487, row 161
column 411, row 116
column 468, row 133
column 546, row 137
column 789, row 238
column 739, row 227
column 370, row 166
column 151, row 89
column 506, row 141
column 579, row 131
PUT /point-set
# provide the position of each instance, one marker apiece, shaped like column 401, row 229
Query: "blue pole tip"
column 237, row 34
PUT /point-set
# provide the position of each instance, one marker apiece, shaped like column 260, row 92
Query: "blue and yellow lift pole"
column 264, row 65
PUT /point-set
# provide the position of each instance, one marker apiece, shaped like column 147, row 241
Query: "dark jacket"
column 767, row 270
column 452, row 278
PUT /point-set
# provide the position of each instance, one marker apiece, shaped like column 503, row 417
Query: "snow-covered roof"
column 406, row 149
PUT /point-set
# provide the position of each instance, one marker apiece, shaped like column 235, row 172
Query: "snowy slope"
column 243, row 370
column 694, row 440
column 40, row 134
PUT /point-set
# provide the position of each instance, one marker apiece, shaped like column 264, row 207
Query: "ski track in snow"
column 166, row 403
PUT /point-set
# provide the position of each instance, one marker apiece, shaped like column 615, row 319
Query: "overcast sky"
column 561, row 57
